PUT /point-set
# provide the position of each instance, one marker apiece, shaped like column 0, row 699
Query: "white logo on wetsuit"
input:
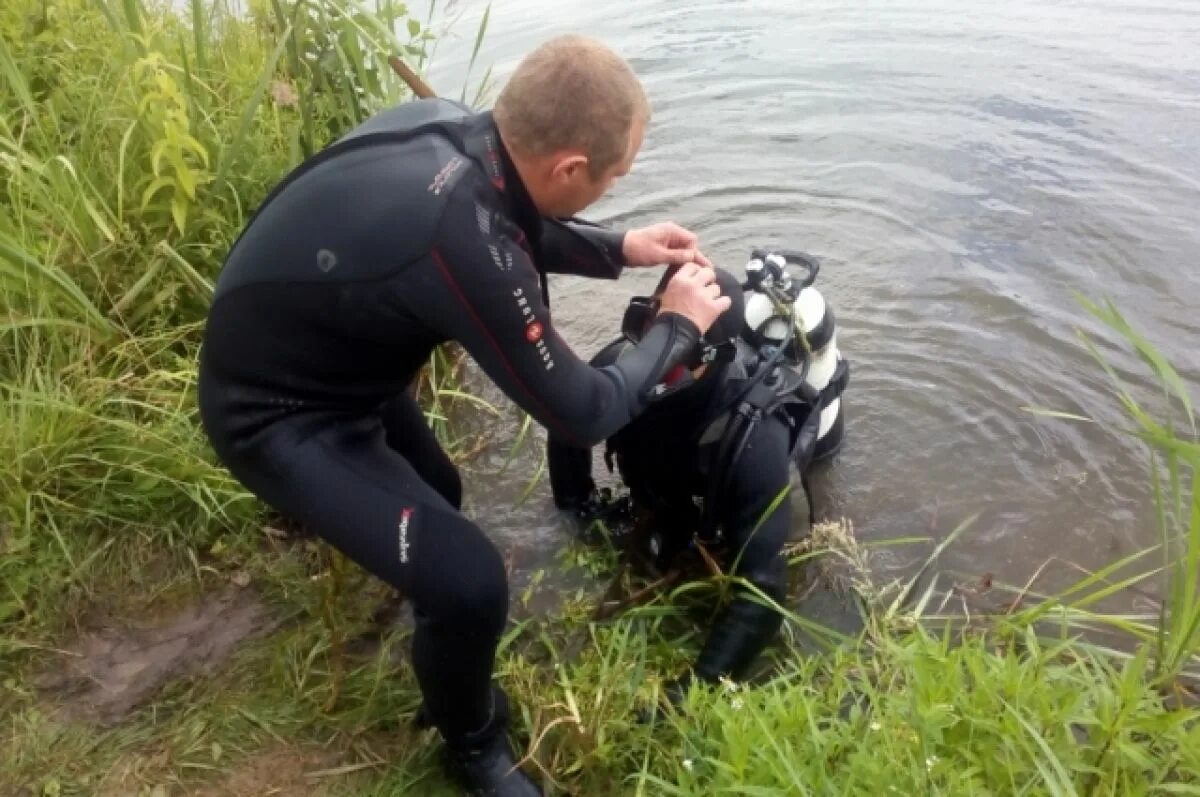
column 534, row 329
column 484, row 217
column 405, row 514
column 494, row 161
column 326, row 260
column 503, row 265
column 442, row 178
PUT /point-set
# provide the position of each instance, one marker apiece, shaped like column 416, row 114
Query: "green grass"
column 924, row 711
column 134, row 144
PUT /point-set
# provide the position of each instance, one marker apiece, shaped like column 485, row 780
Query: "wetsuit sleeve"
column 575, row 246
column 570, row 469
column 482, row 291
column 570, row 466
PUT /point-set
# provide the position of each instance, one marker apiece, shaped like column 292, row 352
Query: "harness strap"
column 837, row 383
column 761, row 401
column 806, row 439
column 741, row 424
column 808, row 497
column 754, row 406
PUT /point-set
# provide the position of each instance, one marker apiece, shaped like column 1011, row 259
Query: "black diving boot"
column 491, row 771
column 483, row 762
column 739, row 635
column 736, row 640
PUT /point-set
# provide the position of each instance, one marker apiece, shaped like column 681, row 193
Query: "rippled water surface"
column 960, row 169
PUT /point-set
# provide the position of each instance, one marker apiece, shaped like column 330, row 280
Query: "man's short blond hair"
column 572, row 93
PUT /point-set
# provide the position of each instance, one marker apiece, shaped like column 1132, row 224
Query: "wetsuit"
column 667, row 464
column 412, row 230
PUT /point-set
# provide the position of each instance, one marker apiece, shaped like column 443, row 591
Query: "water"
column 960, row 169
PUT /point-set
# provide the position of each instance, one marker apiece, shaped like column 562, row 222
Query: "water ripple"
column 962, row 171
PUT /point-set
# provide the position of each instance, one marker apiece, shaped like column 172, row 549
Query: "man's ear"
column 569, row 166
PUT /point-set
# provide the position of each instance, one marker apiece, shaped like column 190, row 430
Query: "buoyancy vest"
column 797, row 378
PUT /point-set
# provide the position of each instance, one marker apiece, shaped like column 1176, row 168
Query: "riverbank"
column 227, row 690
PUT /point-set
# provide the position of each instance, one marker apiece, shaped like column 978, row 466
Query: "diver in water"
column 430, row 223
column 710, row 462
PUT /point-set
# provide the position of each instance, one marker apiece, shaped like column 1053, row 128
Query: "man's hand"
column 695, row 294
column 666, row 243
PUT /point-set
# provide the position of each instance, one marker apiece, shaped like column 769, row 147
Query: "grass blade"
column 198, row 29
column 479, row 34
column 903, row 597
column 1066, row 416
column 19, row 265
column 201, row 285
column 133, row 18
column 1057, row 779
column 15, row 80
column 229, row 151
column 1149, row 354
column 476, row 401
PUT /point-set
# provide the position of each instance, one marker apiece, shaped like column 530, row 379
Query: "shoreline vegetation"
column 160, row 634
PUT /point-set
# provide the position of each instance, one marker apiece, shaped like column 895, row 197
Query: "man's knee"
column 760, row 527
column 763, row 485
column 481, row 602
column 464, row 585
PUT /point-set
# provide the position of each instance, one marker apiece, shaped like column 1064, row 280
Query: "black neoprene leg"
column 409, row 435
column 756, row 514
column 351, row 488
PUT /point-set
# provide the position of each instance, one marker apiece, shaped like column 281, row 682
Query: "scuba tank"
column 780, row 293
column 776, row 355
column 797, row 373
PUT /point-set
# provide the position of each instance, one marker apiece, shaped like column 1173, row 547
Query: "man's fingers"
column 693, row 271
column 665, row 243
column 679, row 256
column 669, row 230
column 681, row 236
column 695, row 294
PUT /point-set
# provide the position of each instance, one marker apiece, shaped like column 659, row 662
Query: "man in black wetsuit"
column 430, row 223
column 668, row 457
